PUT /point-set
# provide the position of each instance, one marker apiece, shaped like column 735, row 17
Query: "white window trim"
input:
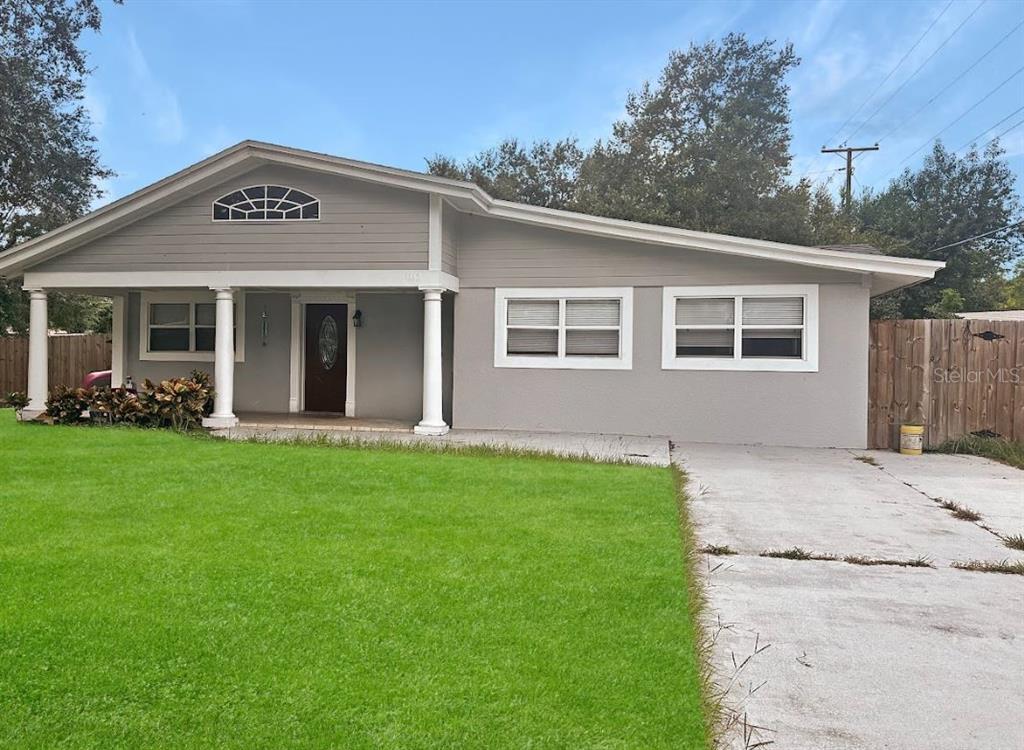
column 808, row 363
column 187, row 297
column 215, row 201
column 561, row 362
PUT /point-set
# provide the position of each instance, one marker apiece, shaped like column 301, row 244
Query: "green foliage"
column 121, row 406
column 65, row 405
column 1013, row 292
column 50, row 171
column 1009, row 452
column 178, row 403
column 705, row 148
column 17, row 400
column 545, row 174
column 949, row 303
column 951, row 199
column 161, row 591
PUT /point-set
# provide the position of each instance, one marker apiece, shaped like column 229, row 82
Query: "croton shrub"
column 179, row 403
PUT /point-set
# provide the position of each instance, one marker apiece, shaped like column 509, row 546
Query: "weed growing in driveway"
column 796, row 553
column 1009, row 452
column 984, row 566
column 960, row 511
column 869, row 460
column 1016, row 541
column 914, row 562
column 717, row 549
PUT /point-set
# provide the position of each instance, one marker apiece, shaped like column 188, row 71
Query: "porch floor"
column 320, row 421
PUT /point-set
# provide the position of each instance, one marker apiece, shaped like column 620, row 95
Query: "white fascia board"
column 131, row 208
column 660, row 235
column 242, row 279
column 464, row 196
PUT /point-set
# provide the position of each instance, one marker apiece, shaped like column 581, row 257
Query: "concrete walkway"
column 649, row 451
column 854, row 656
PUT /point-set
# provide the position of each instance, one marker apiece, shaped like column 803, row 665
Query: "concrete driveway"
column 823, row 654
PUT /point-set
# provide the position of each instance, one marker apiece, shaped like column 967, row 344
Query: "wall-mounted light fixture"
column 264, row 326
column 357, row 319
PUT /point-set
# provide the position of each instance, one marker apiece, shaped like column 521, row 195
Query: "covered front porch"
column 372, row 356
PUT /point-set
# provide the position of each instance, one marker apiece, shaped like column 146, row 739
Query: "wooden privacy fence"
column 955, row 377
column 72, row 355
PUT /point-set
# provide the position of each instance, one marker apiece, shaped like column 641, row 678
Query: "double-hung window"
column 182, row 326
column 564, row 328
column 772, row 328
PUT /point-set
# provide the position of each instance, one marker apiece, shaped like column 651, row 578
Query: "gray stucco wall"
column 362, row 226
column 389, row 355
column 826, row 408
column 261, row 382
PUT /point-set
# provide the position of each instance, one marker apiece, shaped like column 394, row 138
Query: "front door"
column 326, row 357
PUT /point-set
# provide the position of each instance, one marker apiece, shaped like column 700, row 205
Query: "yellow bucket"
column 911, row 439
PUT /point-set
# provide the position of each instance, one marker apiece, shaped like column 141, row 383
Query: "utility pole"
column 848, row 194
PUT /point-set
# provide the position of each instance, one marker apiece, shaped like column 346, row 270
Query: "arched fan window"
column 266, row 203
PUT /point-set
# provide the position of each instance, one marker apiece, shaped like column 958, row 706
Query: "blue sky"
column 396, row 82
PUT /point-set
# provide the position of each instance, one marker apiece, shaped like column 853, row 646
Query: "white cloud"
column 159, row 102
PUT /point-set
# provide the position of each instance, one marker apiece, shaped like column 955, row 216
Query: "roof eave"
column 464, row 196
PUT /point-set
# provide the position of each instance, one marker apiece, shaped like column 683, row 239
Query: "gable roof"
column 887, row 272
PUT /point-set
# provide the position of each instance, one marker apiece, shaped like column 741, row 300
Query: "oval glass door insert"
column 328, row 342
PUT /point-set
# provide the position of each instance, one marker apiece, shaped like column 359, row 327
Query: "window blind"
column 592, row 312
column 592, row 343
column 533, row 312
column 705, row 311
column 532, row 341
column 773, row 311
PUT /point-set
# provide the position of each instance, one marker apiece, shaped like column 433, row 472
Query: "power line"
column 917, row 70
column 976, row 237
column 958, row 119
column 891, row 72
column 993, row 127
column 949, row 85
column 884, row 81
column 849, row 151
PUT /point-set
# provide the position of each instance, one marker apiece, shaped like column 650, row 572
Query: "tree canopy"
column 50, row 169
column 707, row 147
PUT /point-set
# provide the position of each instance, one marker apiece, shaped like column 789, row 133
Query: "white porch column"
column 433, row 422
column 224, row 363
column 118, row 332
column 38, row 326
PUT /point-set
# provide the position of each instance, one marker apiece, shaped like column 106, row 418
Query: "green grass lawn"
column 166, row 591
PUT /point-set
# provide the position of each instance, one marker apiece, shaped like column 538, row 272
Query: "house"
column 315, row 283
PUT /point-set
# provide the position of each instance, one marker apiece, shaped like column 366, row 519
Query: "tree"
column 928, row 214
column 707, row 148
column 545, row 174
column 49, row 164
column 1014, row 292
